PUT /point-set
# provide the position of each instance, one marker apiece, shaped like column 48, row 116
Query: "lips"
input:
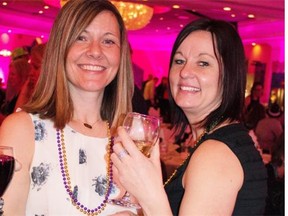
column 92, row 67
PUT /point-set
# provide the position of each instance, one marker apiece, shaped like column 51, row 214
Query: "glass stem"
column 1, row 206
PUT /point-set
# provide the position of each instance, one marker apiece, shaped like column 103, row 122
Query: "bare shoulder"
column 17, row 130
column 16, row 123
column 215, row 160
column 215, row 152
column 212, row 180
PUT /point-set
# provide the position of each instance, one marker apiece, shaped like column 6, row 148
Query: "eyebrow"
column 111, row 33
column 200, row 54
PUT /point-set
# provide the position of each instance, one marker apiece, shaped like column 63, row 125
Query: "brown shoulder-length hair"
column 230, row 54
column 51, row 98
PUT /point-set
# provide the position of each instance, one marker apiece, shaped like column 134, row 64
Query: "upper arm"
column 17, row 131
column 212, row 180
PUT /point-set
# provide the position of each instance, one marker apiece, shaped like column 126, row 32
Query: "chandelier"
column 135, row 15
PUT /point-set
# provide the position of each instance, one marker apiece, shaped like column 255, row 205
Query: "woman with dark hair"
column 224, row 173
column 62, row 136
column 253, row 99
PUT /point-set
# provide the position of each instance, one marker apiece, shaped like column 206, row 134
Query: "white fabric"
column 47, row 195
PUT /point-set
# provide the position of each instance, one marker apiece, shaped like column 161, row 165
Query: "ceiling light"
column 227, row 9
column 135, row 15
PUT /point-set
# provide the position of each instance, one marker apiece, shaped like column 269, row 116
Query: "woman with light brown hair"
column 62, row 136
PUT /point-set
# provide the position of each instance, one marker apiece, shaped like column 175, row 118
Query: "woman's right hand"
column 141, row 176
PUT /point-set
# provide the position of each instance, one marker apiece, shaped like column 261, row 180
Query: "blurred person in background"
column 254, row 97
column 251, row 120
column 269, row 128
column 149, row 92
column 27, row 89
column 19, row 69
column 162, row 99
column 276, row 173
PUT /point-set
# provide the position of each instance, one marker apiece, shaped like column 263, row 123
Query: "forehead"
column 198, row 41
column 104, row 21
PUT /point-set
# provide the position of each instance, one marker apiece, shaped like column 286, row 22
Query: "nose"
column 94, row 50
column 187, row 71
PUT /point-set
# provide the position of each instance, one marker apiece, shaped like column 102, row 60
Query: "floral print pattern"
column 40, row 174
column 82, row 156
column 40, row 131
column 101, row 185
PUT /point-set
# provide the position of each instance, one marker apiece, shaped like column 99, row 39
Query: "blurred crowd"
column 266, row 127
column 24, row 70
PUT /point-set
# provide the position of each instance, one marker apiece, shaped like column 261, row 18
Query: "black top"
column 251, row 197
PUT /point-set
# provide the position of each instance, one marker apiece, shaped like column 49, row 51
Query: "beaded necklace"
column 66, row 176
column 196, row 143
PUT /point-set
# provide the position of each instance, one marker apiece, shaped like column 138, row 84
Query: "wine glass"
column 7, row 163
column 144, row 131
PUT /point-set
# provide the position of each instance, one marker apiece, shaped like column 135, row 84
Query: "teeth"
column 187, row 88
column 92, row 67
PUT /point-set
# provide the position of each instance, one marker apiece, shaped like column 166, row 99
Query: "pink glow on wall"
column 267, row 55
column 152, row 54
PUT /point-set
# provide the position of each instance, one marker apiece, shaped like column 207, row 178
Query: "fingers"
column 156, row 151
column 18, row 166
column 122, row 154
column 119, row 155
column 120, row 151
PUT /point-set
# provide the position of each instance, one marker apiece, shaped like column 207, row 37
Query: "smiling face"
column 93, row 59
column 194, row 76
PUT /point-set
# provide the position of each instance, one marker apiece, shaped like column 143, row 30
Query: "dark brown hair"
column 230, row 54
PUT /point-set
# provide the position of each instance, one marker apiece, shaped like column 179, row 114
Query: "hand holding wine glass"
column 7, row 163
column 144, row 131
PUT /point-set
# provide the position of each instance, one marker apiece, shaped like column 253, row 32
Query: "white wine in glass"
column 144, row 131
column 7, row 163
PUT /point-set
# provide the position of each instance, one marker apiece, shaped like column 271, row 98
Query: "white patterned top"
column 87, row 170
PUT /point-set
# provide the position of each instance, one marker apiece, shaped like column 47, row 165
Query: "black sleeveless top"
column 252, row 195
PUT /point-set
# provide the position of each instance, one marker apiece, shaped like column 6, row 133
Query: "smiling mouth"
column 191, row 89
column 92, row 67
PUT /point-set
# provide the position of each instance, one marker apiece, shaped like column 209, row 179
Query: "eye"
column 179, row 61
column 109, row 41
column 81, row 38
column 203, row 64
